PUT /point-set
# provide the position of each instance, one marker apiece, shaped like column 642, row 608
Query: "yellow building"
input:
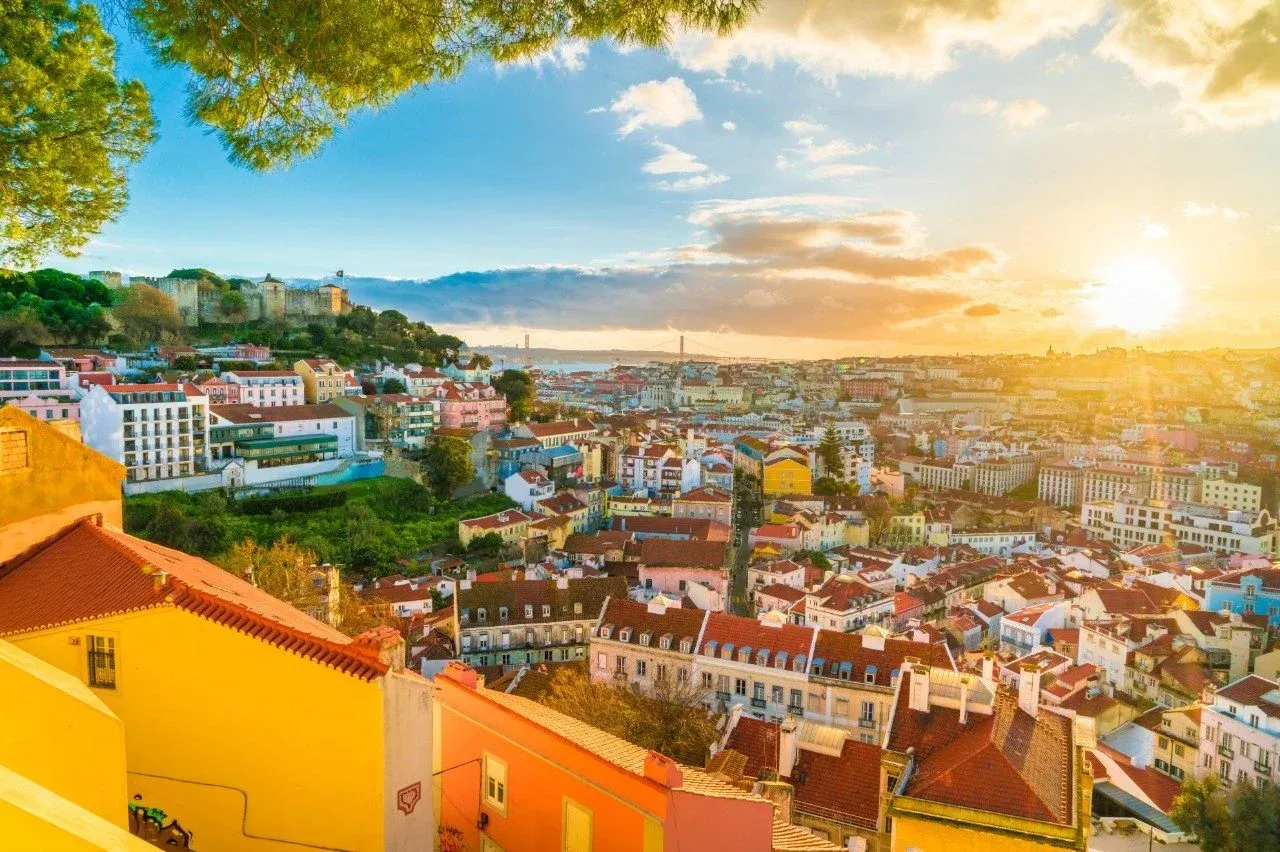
column 511, row 525
column 62, row 762
column 254, row 725
column 322, row 379
column 786, row 476
column 905, row 530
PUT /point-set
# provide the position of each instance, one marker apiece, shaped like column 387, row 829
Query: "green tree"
column 146, row 315
column 817, row 557
column 201, row 274
column 21, row 327
column 518, row 387
column 825, row 486
column 828, row 453
column 394, row 386
column 489, row 544
column 1201, row 809
column 448, row 466
column 68, row 128
column 233, row 306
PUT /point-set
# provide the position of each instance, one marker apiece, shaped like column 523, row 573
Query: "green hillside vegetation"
column 50, row 306
column 366, row 526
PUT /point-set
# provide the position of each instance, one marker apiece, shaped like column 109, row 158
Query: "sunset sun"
column 1139, row 295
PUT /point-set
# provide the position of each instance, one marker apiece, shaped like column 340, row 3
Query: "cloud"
column 843, row 275
column 907, row 38
column 1195, row 210
column 1023, row 114
column 669, row 103
column 729, row 126
column 695, row 182
column 840, row 170
column 986, row 309
column 569, row 55
column 1155, row 231
column 1050, row 313
column 1019, row 115
column 1221, row 56
column 803, row 128
column 672, row 161
column 1064, row 63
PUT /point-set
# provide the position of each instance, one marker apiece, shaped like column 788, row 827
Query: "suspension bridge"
column 683, row 347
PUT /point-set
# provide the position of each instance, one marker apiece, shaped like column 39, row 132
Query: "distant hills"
column 514, row 355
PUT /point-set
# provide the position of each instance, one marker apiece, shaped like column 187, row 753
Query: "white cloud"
column 1220, row 56
column 729, row 126
column 688, row 184
column 1195, row 210
column 1020, row 114
column 832, row 150
column 977, row 106
column 910, row 38
column 667, row 103
column 840, row 170
column 568, row 55
column 1064, row 63
column 671, row 160
column 801, row 127
column 1023, row 114
column 762, row 299
column 1155, row 231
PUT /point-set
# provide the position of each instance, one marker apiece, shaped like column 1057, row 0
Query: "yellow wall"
column 62, row 481
column 510, row 534
column 32, row 817
column 58, row 734
column 924, row 835
column 786, row 476
column 204, row 703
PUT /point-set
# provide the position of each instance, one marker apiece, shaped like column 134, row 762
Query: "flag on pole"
column 340, row 273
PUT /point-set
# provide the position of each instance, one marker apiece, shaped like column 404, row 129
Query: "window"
column 867, row 712
column 706, row 679
column 578, row 819
column 502, row 613
column 660, row 672
column 102, row 662
column 815, row 701
column 577, row 608
column 495, row 783
column 546, row 610
column 481, row 615
column 777, row 694
column 528, row 610
column 641, row 668
column 739, row 686
column 620, row 665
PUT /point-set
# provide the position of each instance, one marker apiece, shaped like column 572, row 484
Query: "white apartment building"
column 1111, row 482
column 284, row 435
column 155, row 431
column 1240, row 732
column 267, row 388
column 940, row 474
column 1061, row 484
column 1229, row 494
column 20, row 379
column 655, row 470
column 1002, row 475
column 1131, row 521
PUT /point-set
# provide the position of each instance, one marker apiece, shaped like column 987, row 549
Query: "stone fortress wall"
column 200, row 302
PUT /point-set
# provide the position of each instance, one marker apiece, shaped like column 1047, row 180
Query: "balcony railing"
column 866, row 723
column 795, row 710
column 1226, row 751
column 1262, row 768
column 759, row 703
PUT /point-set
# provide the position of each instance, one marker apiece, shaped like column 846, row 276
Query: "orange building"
column 512, row 775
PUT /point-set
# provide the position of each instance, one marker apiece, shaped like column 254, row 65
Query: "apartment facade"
column 283, row 435
column 266, row 388
column 525, row 622
column 466, row 405
column 1111, row 482
column 1132, row 521
column 1230, row 494
column 1240, row 732
column 1061, row 484
column 155, row 431
column 322, row 379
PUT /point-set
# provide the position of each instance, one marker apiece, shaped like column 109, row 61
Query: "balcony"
column 866, row 723
column 759, row 703
column 724, row 696
column 1226, row 751
column 1262, row 768
column 795, row 710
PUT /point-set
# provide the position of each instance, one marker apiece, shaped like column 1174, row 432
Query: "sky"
column 841, row 177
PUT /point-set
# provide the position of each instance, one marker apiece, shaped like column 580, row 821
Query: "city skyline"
column 971, row 184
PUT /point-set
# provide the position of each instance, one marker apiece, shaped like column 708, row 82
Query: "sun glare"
column 1139, row 295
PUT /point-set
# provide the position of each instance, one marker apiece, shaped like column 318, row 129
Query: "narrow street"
column 746, row 513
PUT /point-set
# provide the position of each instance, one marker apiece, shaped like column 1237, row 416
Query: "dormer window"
column 528, row 610
column 727, row 651
column 624, row 635
column 664, row 642
column 870, row 675
column 546, row 610
column 645, row 638
column 762, row 657
column 685, row 646
column 780, row 660
column 606, row 630
column 577, row 608
column 481, row 615
column 466, row 617
column 799, row 664
column 502, row 613
column 709, row 648
column 744, row 655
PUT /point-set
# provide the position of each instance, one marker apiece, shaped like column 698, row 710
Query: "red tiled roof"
column 1008, row 762
column 244, row 413
column 757, row 741
column 842, row 593
column 1249, row 691
column 847, row 786
column 742, row 632
column 86, row 571
column 675, row 553
column 834, row 647
column 677, row 622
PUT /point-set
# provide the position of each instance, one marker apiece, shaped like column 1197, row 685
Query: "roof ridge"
column 16, row 561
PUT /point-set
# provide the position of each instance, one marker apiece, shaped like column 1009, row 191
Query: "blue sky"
column 1048, row 163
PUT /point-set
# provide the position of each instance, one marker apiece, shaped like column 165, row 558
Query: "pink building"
column 267, row 388
column 220, row 392
column 48, row 408
column 468, row 405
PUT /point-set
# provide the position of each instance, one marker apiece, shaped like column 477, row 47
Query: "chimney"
column 1240, row 637
column 964, row 699
column 788, row 746
column 782, row 795
column 562, row 582
column 663, row 770
column 471, row 575
column 989, row 667
column 1029, row 688
column 918, row 696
